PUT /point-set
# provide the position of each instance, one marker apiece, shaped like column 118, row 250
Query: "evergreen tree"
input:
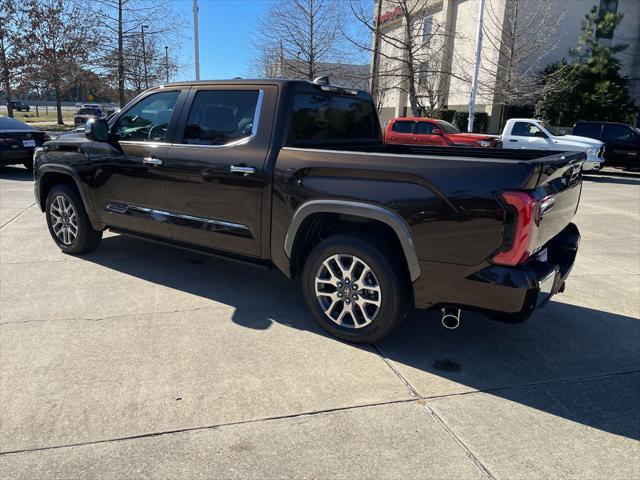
column 597, row 89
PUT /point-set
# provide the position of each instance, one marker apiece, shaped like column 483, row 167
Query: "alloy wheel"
column 64, row 219
column 348, row 291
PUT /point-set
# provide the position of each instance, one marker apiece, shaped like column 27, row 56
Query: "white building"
column 450, row 27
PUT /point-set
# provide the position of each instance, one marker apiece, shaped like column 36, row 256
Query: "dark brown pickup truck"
column 294, row 174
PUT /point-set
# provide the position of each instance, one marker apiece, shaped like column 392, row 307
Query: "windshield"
column 552, row 130
column 447, row 127
column 88, row 111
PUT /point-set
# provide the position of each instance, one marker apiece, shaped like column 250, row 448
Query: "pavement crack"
column 113, row 317
column 210, row 427
column 474, row 458
column 412, row 391
column 17, row 216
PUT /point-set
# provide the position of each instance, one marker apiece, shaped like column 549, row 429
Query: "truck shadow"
column 569, row 361
column 15, row 173
column 616, row 178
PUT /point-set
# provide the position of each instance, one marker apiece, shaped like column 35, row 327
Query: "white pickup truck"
column 532, row 134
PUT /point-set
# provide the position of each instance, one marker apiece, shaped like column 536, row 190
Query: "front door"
column 424, row 133
column 129, row 187
column 215, row 167
column 622, row 145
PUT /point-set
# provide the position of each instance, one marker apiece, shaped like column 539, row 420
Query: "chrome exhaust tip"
column 451, row 318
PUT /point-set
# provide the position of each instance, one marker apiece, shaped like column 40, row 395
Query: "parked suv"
column 86, row 113
column 429, row 131
column 20, row 106
column 621, row 142
column 294, row 175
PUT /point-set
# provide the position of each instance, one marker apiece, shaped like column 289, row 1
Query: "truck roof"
column 299, row 85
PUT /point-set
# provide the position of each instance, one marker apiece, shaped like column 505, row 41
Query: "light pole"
column 144, row 57
column 476, row 67
column 166, row 61
column 195, row 38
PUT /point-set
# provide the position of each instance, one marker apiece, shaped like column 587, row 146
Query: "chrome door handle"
column 243, row 170
column 151, row 161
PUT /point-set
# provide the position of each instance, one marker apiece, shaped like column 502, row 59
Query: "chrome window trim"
column 235, row 143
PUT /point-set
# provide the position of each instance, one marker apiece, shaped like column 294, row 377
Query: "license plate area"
column 28, row 143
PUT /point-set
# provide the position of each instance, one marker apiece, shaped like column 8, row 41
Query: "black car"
column 17, row 142
column 87, row 113
column 295, row 175
column 20, row 106
column 621, row 142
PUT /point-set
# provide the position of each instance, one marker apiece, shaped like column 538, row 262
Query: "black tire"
column 28, row 164
column 86, row 239
column 390, row 274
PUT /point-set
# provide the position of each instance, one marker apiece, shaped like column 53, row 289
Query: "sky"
column 225, row 28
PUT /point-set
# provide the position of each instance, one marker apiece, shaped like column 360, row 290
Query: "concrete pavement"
column 140, row 361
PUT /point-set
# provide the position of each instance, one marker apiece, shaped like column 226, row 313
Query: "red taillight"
column 525, row 208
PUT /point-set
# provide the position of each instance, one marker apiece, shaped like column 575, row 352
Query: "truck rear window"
column 321, row 118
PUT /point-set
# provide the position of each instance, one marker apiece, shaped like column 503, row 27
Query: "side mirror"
column 540, row 134
column 97, row 130
column 437, row 131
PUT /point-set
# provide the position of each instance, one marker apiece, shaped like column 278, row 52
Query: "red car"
column 430, row 131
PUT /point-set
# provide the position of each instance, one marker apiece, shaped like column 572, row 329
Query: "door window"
column 591, row 130
column 220, row 117
column 424, row 128
column 617, row 132
column 525, row 129
column 402, row 127
column 147, row 120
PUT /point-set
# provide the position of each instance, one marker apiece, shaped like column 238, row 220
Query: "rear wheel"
column 68, row 222
column 355, row 289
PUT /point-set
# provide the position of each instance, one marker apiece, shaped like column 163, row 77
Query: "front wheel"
column 355, row 289
column 68, row 222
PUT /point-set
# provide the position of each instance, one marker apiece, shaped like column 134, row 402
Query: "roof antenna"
column 322, row 80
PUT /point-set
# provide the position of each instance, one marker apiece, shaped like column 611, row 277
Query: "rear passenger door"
column 214, row 169
column 401, row 132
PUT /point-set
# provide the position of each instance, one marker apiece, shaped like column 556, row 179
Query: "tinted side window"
column 524, row 129
column 147, row 120
column 424, row 128
column 591, row 130
column 616, row 132
column 402, row 127
column 219, row 117
column 320, row 117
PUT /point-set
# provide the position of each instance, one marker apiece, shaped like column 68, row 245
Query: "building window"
column 606, row 6
column 427, row 26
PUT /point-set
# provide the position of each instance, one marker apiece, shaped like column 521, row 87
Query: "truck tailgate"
column 558, row 191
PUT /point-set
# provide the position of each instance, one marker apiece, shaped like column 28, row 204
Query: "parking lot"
column 140, row 361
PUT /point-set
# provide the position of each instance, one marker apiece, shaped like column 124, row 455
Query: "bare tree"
column 299, row 38
column 122, row 21
column 12, row 21
column 136, row 75
column 62, row 35
column 518, row 35
column 411, row 59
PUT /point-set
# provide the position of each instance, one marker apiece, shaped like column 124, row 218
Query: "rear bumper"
column 508, row 293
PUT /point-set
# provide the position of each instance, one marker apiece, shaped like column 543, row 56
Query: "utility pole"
column 476, row 67
column 144, row 58
column 120, row 57
column 376, row 53
column 195, row 38
column 166, row 61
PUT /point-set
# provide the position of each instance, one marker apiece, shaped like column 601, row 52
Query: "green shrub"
column 446, row 115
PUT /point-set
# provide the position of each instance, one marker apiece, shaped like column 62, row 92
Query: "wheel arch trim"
column 69, row 172
column 359, row 209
